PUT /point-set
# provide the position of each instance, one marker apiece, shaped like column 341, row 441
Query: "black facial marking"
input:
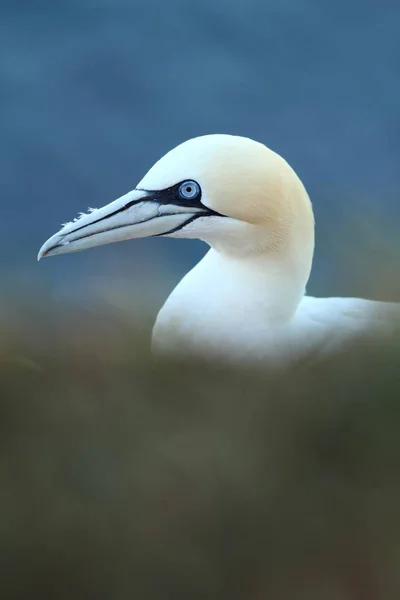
column 170, row 195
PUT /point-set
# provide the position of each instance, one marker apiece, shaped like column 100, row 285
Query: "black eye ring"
column 189, row 190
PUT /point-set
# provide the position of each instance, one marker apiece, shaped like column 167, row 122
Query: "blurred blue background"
column 92, row 92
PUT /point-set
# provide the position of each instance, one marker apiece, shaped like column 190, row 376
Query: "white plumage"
column 245, row 300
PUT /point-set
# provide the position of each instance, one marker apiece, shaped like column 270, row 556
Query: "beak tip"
column 49, row 246
column 41, row 254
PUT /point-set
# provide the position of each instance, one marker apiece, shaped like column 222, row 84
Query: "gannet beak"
column 138, row 214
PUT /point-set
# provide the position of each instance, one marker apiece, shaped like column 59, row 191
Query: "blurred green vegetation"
column 121, row 477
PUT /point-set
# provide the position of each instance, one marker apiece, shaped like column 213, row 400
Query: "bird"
column 245, row 301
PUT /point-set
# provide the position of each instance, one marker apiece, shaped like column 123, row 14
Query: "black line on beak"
column 166, row 196
column 115, row 212
column 181, row 226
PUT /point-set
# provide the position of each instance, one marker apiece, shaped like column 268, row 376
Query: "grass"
column 125, row 478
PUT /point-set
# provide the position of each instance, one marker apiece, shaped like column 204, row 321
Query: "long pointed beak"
column 136, row 215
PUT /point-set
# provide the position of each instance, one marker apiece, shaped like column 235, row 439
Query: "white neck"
column 226, row 300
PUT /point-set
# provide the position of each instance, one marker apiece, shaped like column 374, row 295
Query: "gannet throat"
column 246, row 298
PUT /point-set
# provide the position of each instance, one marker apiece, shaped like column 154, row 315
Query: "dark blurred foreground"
column 122, row 478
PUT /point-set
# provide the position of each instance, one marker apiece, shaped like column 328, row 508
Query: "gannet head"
column 229, row 191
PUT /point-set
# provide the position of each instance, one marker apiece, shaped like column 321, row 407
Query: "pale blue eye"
column 188, row 190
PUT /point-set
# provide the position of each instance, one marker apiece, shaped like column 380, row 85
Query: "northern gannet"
column 246, row 298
